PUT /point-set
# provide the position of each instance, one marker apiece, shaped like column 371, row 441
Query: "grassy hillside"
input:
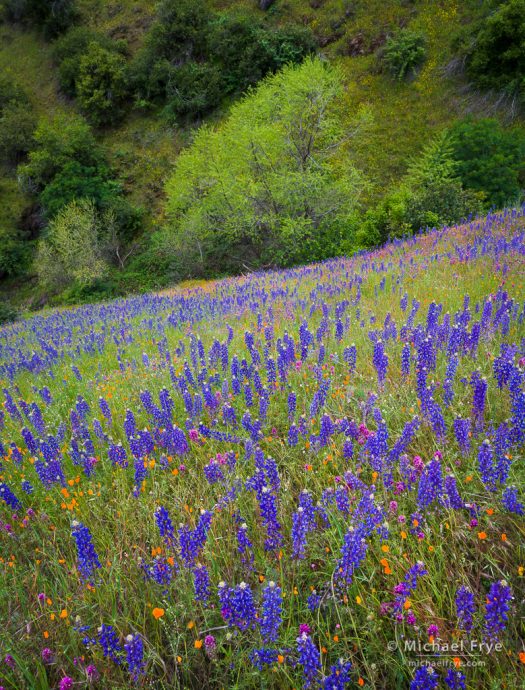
column 404, row 115
column 143, row 148
column 308, row 478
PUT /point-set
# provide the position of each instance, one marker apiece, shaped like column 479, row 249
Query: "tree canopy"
column 270, row 186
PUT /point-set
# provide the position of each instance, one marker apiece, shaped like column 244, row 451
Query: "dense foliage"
column 495, row 54
column 17, row 121
column 74, row 246
column 490, row 159
column 266, row 188
column 193, row 58
column 66, row 163
column 53, row 17
column 403, row 53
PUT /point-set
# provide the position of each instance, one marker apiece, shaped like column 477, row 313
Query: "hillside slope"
column 287, row 479
column 143, row 148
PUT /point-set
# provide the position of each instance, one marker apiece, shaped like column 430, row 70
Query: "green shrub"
column 8, row 313
column 191, row 57
column 247, row 50
column 15, row 255
column 17, row 122
column 403, row 53
column 179, row 34
column 53, row 17
column 101, row 85
column 69, row 49
column 59, row 140
column 431, row 194
column 72, row 250
column 444, row 202
column 77, row 181
column 194, row 90
column 489, row 159
column 496, row 54
column 98, row 290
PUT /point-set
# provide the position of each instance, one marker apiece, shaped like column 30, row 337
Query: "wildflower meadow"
column 311, row 478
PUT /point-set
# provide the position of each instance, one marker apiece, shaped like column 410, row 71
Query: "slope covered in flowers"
column 289, row 479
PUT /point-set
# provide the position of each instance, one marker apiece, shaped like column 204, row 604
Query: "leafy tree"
column 435, row 193
column 53, row 17
column 101, row 84
column 247, row 50
column 76, row 181
column 58, row 141
column 431, row 194
column 73, row 248
column 266, row 188
column 8, row 313
column 194, row 90
column 403, row 53
column 178, row 35
column 489, row 159
column 66, row 163
column 17, row 121
column 69, row 49
column 495, row 52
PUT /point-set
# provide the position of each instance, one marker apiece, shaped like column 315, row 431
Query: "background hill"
column 408, row 101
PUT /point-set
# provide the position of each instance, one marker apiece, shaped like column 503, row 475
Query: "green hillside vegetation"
column 416, row 85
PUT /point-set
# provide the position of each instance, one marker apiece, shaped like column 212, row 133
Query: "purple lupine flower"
column 430, row 486
column 117, row 454
column 478, row 401
column 108, row 639
column 213, row 472
column 465, row 608
column 350, row 357
column 510, row 501
column 353, row 553
column 425, row 678
column 201, row 583
column 405, row 359
column 87, row 558
column 292, row 405
column 268, row 509
column 244, row 545
column 165, row 525
column 462, row 431
column 339, row 676
column 293, row 435
column 496, row 610
column 380, row 360
column 237, row 605
column 263, row 657
column 313, row 602
column 454, row 497
column 409, row 584
column 309, row 659
column 9, row 497
column 486, row 465
column 271, row 615
column 455, row 680
column 299, row 532
column 134, row 648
